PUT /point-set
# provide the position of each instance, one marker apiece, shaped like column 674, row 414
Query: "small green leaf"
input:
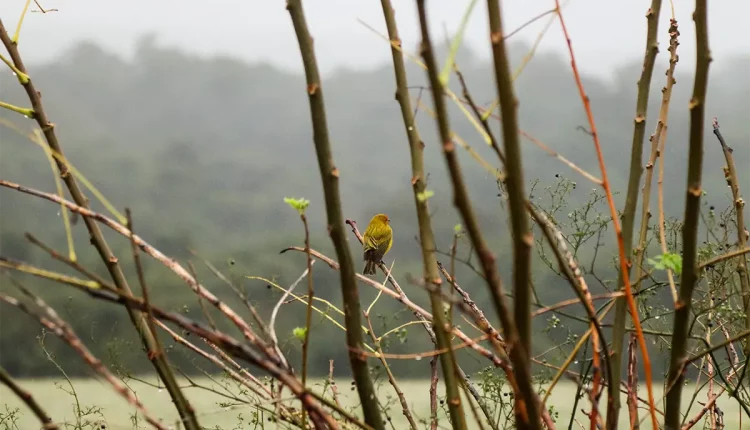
column 426, row 194
column 299, row 333
column 457, row 228
column 668, row 261
column 298, row 204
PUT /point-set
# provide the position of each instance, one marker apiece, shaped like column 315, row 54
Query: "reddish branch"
column 616, row 223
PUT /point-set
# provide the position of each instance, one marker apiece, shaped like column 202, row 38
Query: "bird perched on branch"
column 377, row 241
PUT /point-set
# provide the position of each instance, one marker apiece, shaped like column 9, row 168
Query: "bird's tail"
column 369, row 267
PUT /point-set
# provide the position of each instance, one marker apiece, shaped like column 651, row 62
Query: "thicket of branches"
column 704, row 322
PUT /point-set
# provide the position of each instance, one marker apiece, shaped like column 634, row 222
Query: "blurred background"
column 195, row 117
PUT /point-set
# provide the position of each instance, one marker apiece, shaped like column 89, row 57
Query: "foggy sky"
column 605, row 33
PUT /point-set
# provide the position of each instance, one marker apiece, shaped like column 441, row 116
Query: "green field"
column 109, row 409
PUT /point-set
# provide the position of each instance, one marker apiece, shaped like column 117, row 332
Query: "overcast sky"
column 605, row 33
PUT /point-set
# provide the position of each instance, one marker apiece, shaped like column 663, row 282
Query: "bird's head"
column 383, row 218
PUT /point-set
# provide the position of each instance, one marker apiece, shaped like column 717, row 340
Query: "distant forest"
column 203, row 151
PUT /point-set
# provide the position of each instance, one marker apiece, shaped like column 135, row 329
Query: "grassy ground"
column 99, row 405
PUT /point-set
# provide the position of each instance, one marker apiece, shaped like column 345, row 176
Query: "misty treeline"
column 204, row 150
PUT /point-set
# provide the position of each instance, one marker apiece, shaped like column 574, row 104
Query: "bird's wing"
column 371, row 241
column 383, row 247
column 376, row 243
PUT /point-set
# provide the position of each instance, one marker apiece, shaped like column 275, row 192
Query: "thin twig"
column 433, row 393
column 391, row 379
column 245, row 300
column 332, row 383
column 275, row 311
column 570, row 268
column 265, row 395
column 496, row 361
column 730, row 174
column 310, row 298
column 29, row 400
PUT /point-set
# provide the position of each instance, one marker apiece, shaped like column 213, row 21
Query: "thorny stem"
column 658, row 141
column 681, row 324
column 426, row 236
column 631, row 199
column 330, row 178
column 663, row 114
column 185, row 410
column 730, row 173
column 616, row 223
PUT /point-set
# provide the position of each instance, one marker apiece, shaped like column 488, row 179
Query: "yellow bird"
column 377, row 241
